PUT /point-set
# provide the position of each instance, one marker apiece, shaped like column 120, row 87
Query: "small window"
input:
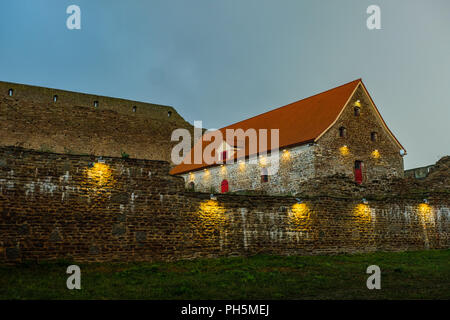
column 134, row 108
column 357, row 111
column 169, row 114
column 342, row 132
column 191, row 186
column 96, row 104
column 373, row 136
column 264, row 175
column 10, row 92
column 55, row 98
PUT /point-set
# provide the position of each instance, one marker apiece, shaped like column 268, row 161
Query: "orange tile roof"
column 299, row 123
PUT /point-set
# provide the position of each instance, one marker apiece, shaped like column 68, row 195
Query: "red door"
column 358, row 172
column 224, row 186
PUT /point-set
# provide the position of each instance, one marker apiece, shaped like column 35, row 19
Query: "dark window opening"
column 10, row 92
column 373, row 136
column 264, row 175
column 169, row 114
column 342, row 132
column 134, row 108
column 224, row 155
column 357, row 111
column 95, row 104
column 358, row 171
column 191, row 186
column 55, row 98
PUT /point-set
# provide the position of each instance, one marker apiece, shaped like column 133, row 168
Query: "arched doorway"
column 224, row 186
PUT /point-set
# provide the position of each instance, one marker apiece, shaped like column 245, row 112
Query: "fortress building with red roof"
column 339, row 131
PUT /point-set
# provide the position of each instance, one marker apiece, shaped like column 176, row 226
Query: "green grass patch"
column 404, row 275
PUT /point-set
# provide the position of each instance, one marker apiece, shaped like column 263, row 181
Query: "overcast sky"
column 221, row 61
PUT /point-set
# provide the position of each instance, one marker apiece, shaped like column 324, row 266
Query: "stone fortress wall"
column 76, row 123
column 83, row 208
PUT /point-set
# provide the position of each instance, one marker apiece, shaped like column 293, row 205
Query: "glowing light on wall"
column 358, row 103
column 286, row 154
column 100, row 174
column 299, row 217
column 211, row 213
column 300, row 210
column 263, row 161
column 223, row 169
column 206, row 173
column 425, row 210
column 344, row 150
column 375, row 154
column 191, row 176
column 242, row 166
column 362, row 212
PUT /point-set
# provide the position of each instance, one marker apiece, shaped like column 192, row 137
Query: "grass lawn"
column 404, row 275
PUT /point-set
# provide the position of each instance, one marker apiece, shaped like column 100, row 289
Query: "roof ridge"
column 359, row 80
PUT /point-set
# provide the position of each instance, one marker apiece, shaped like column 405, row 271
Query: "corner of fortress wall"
column 56, row 206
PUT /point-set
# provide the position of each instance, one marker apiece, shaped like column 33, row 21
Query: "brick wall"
column 31, row 119
column 65, row 206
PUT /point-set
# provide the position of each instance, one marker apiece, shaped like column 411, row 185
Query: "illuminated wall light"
column 286, row 154
column 425, row 210
column 100, row 174
column 242, row 165
column 211, row 214
column 300, row 210
column 206, row 173
column 262, row 161
column 362, row 211
column 223, row 169
column 358, row 103
column 375, row 154
column 344, row 150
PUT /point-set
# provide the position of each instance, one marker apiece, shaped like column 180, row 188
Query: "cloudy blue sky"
column 223, row 61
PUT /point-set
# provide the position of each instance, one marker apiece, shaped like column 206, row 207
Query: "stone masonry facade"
column 364, row 139
column 76, row 123
column 86, row 209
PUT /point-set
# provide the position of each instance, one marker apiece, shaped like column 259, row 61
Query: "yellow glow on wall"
column 357, row 103
column 263, row 161
column 191, row 176
column 425, row 210
column 211, row 213
column 299, row 217
column 242, row 166
column 286, row 155
column 206, row 173
column 375, row 154
column 362, row 212
column 300, row 210
column 223, row 169
column 344, row 150
column 101, row 175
